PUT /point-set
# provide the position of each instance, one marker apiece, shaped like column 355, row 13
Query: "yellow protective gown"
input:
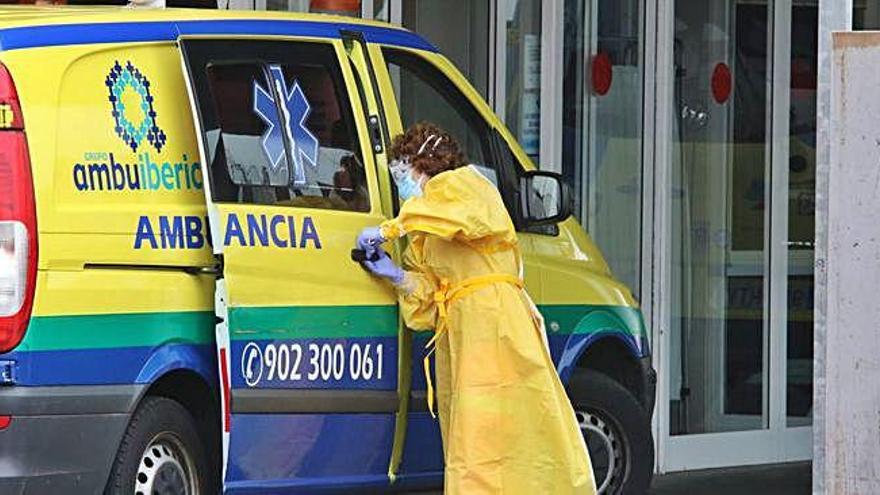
column 507, row 425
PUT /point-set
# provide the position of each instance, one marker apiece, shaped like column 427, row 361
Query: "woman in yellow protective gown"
column 507, row 424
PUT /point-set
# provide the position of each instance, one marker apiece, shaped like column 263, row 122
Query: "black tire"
column 176, row 457
column 617, row 428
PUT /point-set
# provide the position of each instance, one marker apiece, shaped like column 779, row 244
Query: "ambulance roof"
column 32, row 27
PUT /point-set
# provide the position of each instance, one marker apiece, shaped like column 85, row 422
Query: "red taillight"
column 5, row 421
column 18, row 220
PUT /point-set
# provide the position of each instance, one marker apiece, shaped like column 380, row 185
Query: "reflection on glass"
column 801, row 214
column 602, row 126
column 718, row 376
column 381, row 10
column 463, row 34
column 543, row 199
column 522, row 20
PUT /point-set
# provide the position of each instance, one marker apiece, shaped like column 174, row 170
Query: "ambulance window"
column 278, row 124
column 426, row 94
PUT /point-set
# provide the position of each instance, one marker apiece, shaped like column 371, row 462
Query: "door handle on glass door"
column 801, row 244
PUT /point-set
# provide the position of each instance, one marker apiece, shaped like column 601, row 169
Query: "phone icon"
column 252, row 364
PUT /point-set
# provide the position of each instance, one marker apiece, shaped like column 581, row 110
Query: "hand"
column 369, row 240
column 385, row 267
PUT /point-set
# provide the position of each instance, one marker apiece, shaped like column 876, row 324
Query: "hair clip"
column 428, row 140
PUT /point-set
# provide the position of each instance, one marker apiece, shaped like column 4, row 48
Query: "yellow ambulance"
column 179, row 311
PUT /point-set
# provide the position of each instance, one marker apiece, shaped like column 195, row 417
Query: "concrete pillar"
column 847, row 458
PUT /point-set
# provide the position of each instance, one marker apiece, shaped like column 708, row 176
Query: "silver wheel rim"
column 166, row 468
column 606, row 451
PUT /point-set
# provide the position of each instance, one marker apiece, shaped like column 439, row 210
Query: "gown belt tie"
column 444, row 296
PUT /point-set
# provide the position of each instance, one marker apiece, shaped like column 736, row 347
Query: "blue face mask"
column 407, row 187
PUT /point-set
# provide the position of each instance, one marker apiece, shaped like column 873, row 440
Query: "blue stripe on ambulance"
column 110, row 366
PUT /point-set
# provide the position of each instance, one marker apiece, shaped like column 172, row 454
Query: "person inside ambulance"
column 506, row 423
column 349, row 179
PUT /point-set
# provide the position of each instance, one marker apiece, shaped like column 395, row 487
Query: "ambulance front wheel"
column 617, row 431
column 161, row 452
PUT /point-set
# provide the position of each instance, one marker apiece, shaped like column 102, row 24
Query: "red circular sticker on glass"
column 721, row 83
column 601, row 73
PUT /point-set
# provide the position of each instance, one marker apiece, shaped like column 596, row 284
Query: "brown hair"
column 442, row 153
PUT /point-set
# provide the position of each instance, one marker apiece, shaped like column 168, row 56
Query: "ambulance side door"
column 307, row 340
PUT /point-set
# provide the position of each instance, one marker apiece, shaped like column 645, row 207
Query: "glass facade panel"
column 718, row 371
column 602, row 126
column 801, row 212
column 288, row 5
column 522, row 25
column 382, row 10
column 462, row 36
column 866, row 14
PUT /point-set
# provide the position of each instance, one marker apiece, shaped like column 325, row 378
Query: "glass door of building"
column 719, row 212
column 736, row 370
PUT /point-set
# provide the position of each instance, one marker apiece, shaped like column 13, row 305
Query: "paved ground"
column 779, row 479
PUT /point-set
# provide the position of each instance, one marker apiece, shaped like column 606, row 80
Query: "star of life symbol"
column 294, row 111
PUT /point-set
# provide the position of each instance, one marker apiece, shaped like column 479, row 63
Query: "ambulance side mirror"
column 544, row 198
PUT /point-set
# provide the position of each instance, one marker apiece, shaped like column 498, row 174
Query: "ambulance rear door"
column 306, row 339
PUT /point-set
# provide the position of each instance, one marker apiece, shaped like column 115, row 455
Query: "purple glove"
column 369, row 240
column 385, row 267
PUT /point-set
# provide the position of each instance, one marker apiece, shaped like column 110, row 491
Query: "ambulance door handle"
column 205, row 270
column 375, row 134
column 801, row 244
column 216, row 269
